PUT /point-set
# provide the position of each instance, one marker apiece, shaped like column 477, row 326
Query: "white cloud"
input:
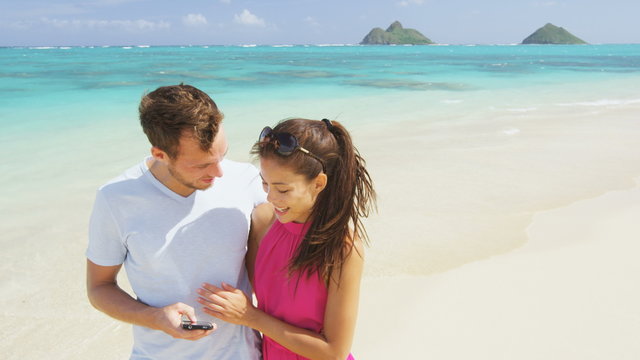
column 411, row 2
column 194, row 20
column 108, row 2
column 18, row 25
column 311, row 21
column 249, row 19
column 545, row 4
column 129, row 25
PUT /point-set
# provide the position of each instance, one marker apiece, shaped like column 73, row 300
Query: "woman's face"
column 292, row 195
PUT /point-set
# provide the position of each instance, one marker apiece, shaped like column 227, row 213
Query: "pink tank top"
column 297, row 300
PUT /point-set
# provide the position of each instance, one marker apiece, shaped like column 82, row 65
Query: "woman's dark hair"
column 336, row 217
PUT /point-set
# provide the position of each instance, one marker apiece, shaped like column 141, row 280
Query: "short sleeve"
column 106, row 246
column 258, row 196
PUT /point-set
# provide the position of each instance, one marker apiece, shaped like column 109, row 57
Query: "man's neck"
column 160, row 171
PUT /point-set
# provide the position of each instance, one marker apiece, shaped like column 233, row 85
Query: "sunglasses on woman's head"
column 284, row 143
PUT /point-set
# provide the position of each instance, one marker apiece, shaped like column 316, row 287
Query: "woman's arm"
column 232, row 305
column 262, row 218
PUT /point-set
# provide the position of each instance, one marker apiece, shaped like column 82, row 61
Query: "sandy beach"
column 569, row 293
column 514, row 239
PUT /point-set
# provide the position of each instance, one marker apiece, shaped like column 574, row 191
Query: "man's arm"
column 105, row 295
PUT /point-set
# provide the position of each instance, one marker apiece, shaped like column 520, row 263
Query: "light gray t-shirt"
column 171, row 244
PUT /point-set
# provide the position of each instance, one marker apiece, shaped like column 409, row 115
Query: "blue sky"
column 223, row 22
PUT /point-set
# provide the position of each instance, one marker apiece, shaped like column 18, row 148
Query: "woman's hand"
column 227, row 303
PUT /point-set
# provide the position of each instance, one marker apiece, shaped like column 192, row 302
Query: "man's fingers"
column 187, row 311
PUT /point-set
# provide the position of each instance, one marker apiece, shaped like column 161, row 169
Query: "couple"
column 179, row 222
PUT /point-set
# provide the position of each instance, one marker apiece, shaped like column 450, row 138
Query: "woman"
column 306, row 263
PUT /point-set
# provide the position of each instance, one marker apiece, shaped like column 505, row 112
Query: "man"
column 173, row 229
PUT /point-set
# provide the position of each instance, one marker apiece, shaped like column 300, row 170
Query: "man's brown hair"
column 169, row 112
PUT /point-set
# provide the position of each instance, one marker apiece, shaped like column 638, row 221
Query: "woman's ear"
column 320, row 182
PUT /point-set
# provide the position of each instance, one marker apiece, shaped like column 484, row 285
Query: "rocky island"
column 395, row 34
column 551, row 34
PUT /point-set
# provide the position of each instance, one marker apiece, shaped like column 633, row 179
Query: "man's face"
column 194, row 169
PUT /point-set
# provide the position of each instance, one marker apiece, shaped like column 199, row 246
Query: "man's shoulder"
column 128, row 181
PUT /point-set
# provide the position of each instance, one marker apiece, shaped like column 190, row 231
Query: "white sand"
column 451, row 273
column 572, row 292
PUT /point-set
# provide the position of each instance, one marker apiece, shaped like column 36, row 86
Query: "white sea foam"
column 42, row 47
column 248, row 45
column 127, row 47
column 282, row 46
column 603, row 102
column 144, row 46
column 522, row 109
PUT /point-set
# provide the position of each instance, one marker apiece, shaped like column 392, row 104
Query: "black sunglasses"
column 285, row 143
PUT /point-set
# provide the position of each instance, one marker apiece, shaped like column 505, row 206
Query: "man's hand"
column 169, row 320
column 106, row 296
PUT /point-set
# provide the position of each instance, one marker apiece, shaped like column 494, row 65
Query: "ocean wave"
column 602, row 102
column 528, row 109
column 300, row 74
column 409, row 85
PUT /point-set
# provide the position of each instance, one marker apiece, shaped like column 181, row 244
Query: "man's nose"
column 216, row 170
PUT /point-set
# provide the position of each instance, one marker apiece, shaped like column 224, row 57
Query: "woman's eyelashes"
column 265, row 186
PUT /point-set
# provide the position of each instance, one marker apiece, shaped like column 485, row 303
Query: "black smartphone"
column 199, row 325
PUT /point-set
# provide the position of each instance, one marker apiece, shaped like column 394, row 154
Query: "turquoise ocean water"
column 68, row 116
column 72, row 81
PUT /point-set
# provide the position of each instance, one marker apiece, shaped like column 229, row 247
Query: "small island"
column 395, row 34
column 551, row 34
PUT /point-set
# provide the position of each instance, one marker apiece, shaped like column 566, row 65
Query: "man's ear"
column 320, row 182
column 159, row 154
